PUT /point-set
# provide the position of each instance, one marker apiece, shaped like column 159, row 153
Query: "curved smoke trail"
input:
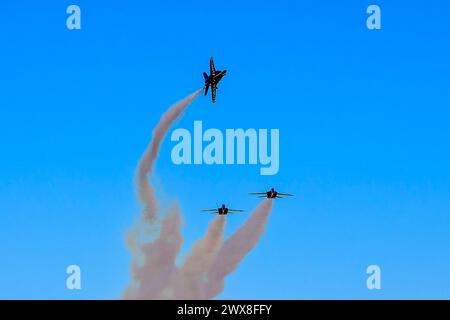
column 154, row 262
column 146, row 192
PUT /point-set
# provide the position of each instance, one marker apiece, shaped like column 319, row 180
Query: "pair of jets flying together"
column 271, row 194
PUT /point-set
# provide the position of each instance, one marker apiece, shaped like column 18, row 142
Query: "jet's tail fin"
column 205, row 75
column 206, row 90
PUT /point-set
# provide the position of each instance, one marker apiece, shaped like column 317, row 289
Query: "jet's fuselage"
column 214, row 80
column 272, row 194
column 223, row 210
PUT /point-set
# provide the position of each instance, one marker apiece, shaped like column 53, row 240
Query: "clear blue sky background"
column 364, row 140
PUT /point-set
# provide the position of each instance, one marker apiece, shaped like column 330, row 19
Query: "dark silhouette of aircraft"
column 223, row 210
column 213, row 79
column 271, row 194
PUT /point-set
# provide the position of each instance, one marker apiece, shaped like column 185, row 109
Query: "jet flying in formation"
column 271, row 194
column 223, row 210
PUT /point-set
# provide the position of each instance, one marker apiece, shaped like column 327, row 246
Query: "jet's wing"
column 210, row 210
column 235, row 210
column 213, row 93
column 285, row 194
column 212, row 69
column 219, row 76
column 259, row 194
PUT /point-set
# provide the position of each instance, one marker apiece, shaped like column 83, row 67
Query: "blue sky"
column 364, row 140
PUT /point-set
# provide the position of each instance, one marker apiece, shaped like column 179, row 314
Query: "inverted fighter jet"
column 213, row 79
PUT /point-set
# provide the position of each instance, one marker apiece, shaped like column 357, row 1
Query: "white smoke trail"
column 152, row 276
column 146, row 192
column 154, row 262
column 235, row 248
column 189, row 282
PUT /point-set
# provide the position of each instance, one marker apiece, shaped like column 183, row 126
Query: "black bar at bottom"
column 229, row 309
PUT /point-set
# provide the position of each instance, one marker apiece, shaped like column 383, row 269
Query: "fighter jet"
column 223, row 210
column 271, row 194
column 213, row 79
